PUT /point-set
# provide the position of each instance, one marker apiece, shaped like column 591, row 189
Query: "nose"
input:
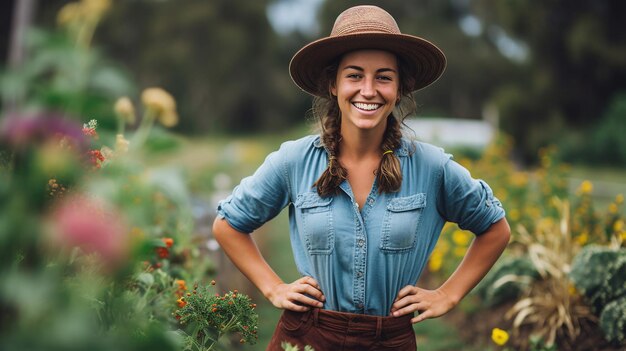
column 367, row 88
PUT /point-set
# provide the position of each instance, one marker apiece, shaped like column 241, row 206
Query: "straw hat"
column 365, row 27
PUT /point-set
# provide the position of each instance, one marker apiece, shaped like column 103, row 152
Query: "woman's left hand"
column 428, row 303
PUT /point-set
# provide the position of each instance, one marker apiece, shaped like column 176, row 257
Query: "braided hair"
column 326, row 111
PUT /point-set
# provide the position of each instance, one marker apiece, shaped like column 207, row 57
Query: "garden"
column 106, row 210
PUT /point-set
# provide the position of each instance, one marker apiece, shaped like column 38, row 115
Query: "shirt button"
column 371, row 201
column 359, row 274
column 361, row 242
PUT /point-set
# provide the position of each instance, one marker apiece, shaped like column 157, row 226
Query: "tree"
column 577, row 64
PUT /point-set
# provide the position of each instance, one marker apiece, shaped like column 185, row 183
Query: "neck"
column 361, row 144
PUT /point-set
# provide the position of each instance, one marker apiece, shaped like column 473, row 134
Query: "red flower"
column 162, row 252
column 96, row 158
column 90, row 132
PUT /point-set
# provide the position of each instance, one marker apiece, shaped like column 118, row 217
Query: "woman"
column 366, row 205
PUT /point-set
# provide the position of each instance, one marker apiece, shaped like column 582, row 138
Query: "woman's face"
column 366, row 87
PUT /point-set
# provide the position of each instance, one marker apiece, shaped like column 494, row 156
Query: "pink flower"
column 91, row 225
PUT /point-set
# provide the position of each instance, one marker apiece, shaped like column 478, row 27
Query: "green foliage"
column 609, row 144
column 507, row 280
column 537, row 344
column 598, row 273
column 613, row 321
column 220, row 59
column 61, row 76
column 207, row 317
column 563, row 40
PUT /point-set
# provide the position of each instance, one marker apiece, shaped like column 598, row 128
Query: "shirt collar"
column 403, row 150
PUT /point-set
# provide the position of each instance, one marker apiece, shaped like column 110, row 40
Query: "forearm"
column 480, row 257
column 245, row 255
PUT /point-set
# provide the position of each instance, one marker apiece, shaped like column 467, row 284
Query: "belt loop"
column 316, row 316
column 379, row 327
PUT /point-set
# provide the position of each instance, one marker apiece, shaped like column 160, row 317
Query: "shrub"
column 613, row 321
column 508, row 280
column 598, row 272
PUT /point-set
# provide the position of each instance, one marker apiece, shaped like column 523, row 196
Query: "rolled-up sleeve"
column 466, row 201
column 258, row 198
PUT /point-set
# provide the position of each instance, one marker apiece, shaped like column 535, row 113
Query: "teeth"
column 367, row 107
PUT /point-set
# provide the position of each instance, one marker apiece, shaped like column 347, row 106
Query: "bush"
column 613, row 321
column 507, row 280
column 598, row 273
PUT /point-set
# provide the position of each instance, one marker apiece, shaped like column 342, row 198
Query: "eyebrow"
column 380, row 70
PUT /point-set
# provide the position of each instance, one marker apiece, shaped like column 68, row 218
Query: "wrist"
column 452, row 296
column 269, row 290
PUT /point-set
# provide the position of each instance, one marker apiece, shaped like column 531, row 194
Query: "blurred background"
column 533, row 100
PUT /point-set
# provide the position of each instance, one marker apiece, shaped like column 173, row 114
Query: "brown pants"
column 335, row 331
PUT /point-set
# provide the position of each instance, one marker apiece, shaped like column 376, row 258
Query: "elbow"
column 219, row 229
column 504, row 232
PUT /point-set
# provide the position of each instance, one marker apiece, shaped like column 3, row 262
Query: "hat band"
column 364, row 27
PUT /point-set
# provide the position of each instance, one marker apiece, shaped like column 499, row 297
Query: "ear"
column 332, row 89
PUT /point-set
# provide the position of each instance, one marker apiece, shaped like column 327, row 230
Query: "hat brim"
column 307, row 65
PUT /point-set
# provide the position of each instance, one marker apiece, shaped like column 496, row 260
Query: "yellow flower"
column 158, row 100
column 499, row 336
column 69, row 13
column 586, row 187
column 161, row 103
column 619, row 199
column 461, row 237
column 169, row 118
column 95, row 8
column 435, row 262
column 121, row 144
column 582, row 238
column 519, row 179
column 125, row 110
column 514, row 214
column 612, row 208
column 459, row 251
column 618, row 226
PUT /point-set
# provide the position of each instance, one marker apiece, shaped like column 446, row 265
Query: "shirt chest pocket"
column 314, row 219
column 401, row 223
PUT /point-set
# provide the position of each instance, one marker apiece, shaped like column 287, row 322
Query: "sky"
column 289, row 15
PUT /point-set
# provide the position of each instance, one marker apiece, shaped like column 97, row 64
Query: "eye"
column 387, row 78
column 354, row 75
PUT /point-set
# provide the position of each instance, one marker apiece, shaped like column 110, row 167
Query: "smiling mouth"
column 366, row 107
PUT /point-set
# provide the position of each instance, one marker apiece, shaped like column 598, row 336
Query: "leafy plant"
column 509, row 279
column 207, row 317
column 613, row 321
column 550, row 307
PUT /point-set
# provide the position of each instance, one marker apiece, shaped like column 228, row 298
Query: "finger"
column 405, row 301
column 309, row 290
column 310, row 281
column 421, row 317
column 288, row 305
column 407, row 290
column 303, row 299
column 404, row 311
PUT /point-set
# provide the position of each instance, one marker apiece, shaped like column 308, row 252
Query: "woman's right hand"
column 298, row 296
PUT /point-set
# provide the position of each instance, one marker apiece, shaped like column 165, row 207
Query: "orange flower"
column 181, row 284
column 181, row 302
column 168, row 242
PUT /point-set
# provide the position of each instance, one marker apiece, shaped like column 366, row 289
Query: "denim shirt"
column 362, row 257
